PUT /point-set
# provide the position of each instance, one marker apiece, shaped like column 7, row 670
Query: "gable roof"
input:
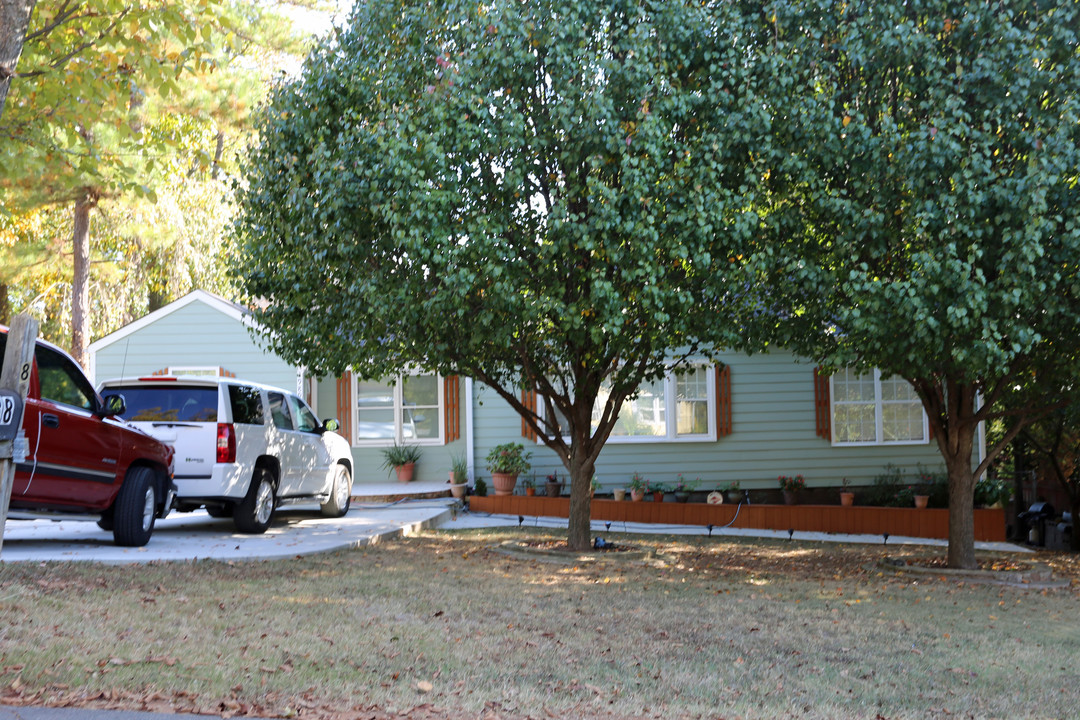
column 226, row 307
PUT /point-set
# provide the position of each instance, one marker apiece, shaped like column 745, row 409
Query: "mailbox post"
column 14, row 384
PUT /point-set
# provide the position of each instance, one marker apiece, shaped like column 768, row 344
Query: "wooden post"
column 14, row 384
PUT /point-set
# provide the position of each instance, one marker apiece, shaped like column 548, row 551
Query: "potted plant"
column 791, row 487
column 847, row 498
column 505, row 462
column 530, row 487
column 734, row 492
column 552, row 486
column 401, row 459
column 618, row 494
column 459, row 477
column 683, row 488
column 657, row 490
column 637, row 487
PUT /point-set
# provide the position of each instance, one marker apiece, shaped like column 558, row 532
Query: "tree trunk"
column 80, row 282
column 14, row 21
column 961, row 553
column 1074, row 508
column 5, row 308
column 579, row 530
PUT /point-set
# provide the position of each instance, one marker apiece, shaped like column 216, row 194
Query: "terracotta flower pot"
column 504, row 483
column 658, row 497
column 636, row 495
column 530, row 491
column 405, row 472
column 847, row 499
column 921, row 500
column 458, row 490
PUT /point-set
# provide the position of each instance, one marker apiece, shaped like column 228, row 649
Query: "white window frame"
column 195, row 370
column 399, row 414
column 879, row 419
column 671, row 415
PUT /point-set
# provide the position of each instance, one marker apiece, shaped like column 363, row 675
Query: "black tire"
column 105, row 523
column 135, row 509
column 255, row 512
column 219, row 511
column 340, row 494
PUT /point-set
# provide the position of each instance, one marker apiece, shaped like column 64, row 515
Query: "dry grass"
column 441, row 627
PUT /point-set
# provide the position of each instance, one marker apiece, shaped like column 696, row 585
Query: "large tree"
column 554, row 196
column 936, row 148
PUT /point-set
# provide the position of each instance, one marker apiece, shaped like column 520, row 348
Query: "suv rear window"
column 246, row 405
column 169, row 403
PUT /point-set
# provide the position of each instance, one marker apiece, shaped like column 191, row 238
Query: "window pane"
column 902, row 422
column 850, row 387
column 692, row 391
column 61, row 382
column 246, row 405
column 374, row 410
column 645, row 415
column 279, row 411
column 854, row 422
column 171, row 403
column 420, row 414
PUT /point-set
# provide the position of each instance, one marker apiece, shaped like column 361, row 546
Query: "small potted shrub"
column 734, row 492
column 505, row 462
column 637, row 487
column 401, row 459
column 657, row 490
column 530, row 487
column 552, row 486
column 683, row 488
column 791, row 487
column 459, row 477
column 847, row 498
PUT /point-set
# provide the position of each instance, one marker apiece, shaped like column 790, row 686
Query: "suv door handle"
column 50, row 420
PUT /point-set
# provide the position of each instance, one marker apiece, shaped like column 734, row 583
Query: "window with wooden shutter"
column 723, row 401
column 822, row 407
column 452, row 407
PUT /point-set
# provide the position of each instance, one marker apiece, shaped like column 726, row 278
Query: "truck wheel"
column 340, row 494
column 135, row 508
column 254, row 513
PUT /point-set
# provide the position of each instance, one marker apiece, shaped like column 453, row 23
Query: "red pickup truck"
column 81, row 461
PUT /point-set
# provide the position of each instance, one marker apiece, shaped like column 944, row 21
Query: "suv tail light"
column 226, row 443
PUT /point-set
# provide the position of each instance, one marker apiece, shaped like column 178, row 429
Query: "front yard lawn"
column 440, row 626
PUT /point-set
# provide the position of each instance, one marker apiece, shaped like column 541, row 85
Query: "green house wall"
column 195, row 334
column 773, row 434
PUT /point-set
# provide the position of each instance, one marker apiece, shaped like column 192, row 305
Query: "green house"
column 749, row 419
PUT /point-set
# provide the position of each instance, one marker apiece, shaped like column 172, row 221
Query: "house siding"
column 773, row 434
column 193, row 335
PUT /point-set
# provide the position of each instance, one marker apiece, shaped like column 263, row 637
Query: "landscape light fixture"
column 710, row 530
column 521, row 519
column 886, row 535
column 790, row 533
column 608, row 525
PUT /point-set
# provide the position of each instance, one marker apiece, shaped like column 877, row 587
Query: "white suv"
column 242, row 448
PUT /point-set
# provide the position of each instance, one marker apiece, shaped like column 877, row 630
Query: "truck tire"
column 135, row 509
column 340, row 494
column 254, row 513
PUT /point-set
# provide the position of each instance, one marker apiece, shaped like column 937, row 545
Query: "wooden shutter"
column 723, row 401
column 344, row 404
column 452, row 407
column 528, row 398
column 822, row 411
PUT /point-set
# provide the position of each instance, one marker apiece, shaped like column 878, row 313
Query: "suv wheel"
column 254, row 513
column 136, row 508
column 340, row 494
